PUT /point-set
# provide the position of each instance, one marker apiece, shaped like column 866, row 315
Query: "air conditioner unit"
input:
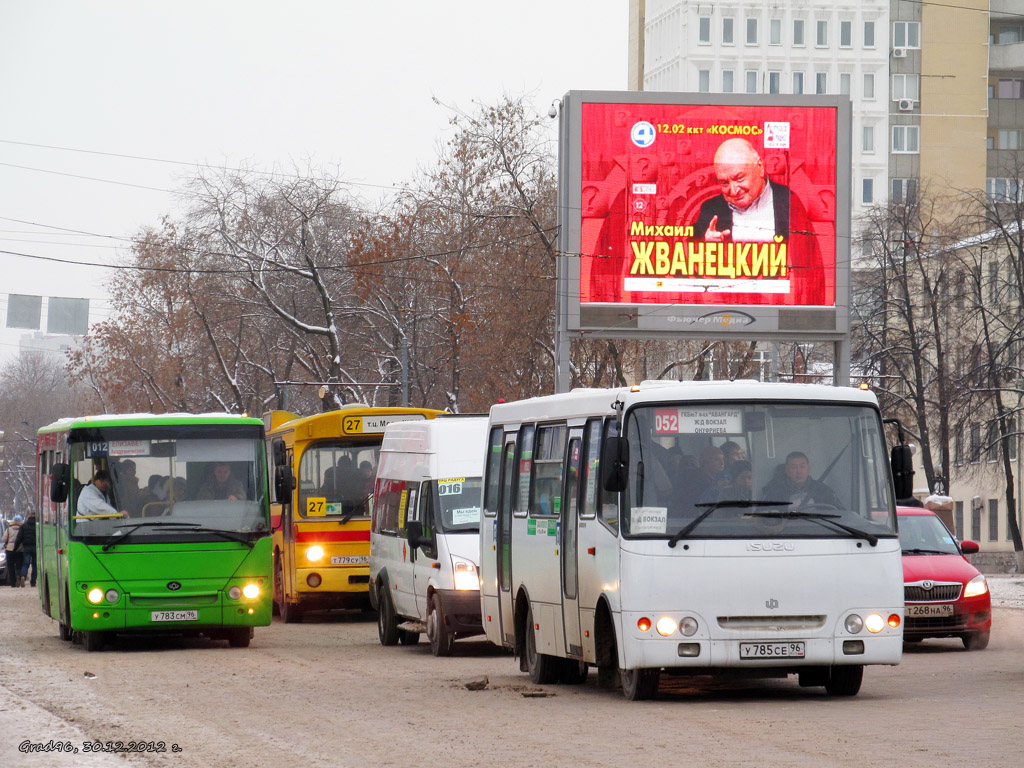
column 906, row 105
column 899, row 53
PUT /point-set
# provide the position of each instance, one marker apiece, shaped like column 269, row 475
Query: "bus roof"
column 595, row 402
column 338, row 423
column 146, row 419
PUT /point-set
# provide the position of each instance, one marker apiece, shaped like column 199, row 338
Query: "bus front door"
column 504, row 542
column 569, row 532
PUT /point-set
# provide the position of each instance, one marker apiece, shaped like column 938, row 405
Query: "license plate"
column 930, row 610
column 350, row 560
column 772, row 650
column 174, row 616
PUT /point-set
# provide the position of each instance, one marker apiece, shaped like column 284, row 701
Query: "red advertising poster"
column 708, row 204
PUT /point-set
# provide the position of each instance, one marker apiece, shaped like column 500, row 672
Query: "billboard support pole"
column 841, row 369
column 562, row 345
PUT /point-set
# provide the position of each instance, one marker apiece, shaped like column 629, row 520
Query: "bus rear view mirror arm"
column 615, row 464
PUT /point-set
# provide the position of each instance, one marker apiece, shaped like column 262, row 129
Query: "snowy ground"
column 1007, row 590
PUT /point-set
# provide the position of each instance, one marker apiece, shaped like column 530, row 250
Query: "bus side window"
column 521, row 504
column 493, row 486
column 607, row 501
column 548, row 463
column 591, row 468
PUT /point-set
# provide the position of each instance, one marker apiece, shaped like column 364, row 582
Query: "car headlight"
column 976, row 586
column 466, row 575
column 314, row 553
column 3, row 555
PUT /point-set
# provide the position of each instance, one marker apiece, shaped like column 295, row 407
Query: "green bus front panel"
column 169, row 587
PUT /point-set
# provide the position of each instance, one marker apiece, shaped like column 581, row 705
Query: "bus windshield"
column 764, row 470
column 198, row 479
column 460, row 504
column 336, row 479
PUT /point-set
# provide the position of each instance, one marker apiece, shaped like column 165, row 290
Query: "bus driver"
column 95, row 498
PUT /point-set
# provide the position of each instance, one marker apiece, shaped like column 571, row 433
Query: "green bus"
column 154, row 524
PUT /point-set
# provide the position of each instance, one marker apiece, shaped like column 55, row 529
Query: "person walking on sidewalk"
column 10, row 546
column 26, row 542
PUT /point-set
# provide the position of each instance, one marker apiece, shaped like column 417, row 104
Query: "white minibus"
column 425, row 530
column 693, row 529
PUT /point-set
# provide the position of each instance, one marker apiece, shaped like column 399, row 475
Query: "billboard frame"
column 719, row 321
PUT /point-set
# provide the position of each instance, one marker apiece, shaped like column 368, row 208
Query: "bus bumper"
column 461, row 610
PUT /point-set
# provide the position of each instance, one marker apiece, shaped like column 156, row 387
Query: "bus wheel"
column 573, row 672
column 442, row 641
column 387, row 621
column 543, row 668
column 639, row 684
column 64, row 630
column 844, row 680
column 94, row 640
column 239, row 637
column 290, row 614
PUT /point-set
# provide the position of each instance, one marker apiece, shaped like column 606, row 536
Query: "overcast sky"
column 268, row 84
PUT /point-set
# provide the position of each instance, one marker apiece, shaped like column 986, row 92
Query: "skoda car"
column 945, row 595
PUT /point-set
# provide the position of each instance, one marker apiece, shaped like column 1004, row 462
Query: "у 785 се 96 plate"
column 792, row 650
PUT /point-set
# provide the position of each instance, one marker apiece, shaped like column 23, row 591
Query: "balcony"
column 1004, row 10
column 1004, row 58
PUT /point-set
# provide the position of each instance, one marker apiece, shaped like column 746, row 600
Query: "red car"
column 945, row 595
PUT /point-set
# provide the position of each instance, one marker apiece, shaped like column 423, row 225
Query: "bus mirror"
column 59, row 483
column 615, row 464
column 284, row 484
column 280, row 453
column 414, row 533
column 902, row 471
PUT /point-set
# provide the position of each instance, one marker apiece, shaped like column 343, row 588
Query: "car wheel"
column 639, row 684
column 442, row 641
column 543, row 668
column 387, row 621
column 845, row 680
column 976, row 641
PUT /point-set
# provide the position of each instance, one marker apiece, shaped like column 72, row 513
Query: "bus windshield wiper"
column 231, row 535
column 824, row 519
column 714, row 505
column 119, row 536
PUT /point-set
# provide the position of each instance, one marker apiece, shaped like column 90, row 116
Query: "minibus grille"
column 771, row 623
column 173, row 601
column 939, row 593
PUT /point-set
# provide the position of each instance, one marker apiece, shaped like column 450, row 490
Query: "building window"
column 821, row 82
column 704, row 30
column 774, row 82
column 958, row 448
column 798, row 82
column 869, row 85
column 868, row 143
column 903, row 190
column 905, row 139
column 993, row 519
column 869, row 34
column 798, row 31
column 975, row 443
column 1010, row 88
column 845, row 34
column 976, row 521
column 958, row 519
column 1009, row 139
column 844, row 83
column 775, row 32
column 727, row 81
column 990, row 143
column 704, row 80
column 727, row 31
column 1002, row 190
column 751, row 31
column 1010, row 34
column 1011, row 421
column 906, row 87
column 868, row 191
column 751, row 78
column 821, row 39
column 906, row 34
column 992, row 442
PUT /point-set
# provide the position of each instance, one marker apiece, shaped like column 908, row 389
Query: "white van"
column 425, row 531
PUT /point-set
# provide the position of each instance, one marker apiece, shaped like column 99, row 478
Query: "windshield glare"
column 810, row 458
column 926, row 533
column 195, row 481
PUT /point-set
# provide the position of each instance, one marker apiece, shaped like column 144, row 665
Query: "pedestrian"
column 13, row 556
column 26, row 542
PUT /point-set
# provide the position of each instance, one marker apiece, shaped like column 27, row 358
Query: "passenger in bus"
column 732, row 451
column 712, row 462
column 369, row 475
column 96, row 499
column 126, row 485
column 797, row 486
column 220, row 486
column 742, row 486
column 343, row 482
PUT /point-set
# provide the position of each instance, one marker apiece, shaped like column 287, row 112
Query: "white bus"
column 614, row 534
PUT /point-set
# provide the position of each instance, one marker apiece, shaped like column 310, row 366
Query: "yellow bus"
column 323, row 468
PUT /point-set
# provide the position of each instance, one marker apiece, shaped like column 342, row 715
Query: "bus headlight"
column 666, row 626
column 95, row 595
column 854, row 623
column 251, row 591
column 314, row 554
column 688, row 626
column 466, row 576
column 112, row 595
column 976, row 586
column 875, row 623
column 235, row 592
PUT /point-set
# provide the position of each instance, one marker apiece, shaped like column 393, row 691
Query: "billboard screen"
column 734, row 204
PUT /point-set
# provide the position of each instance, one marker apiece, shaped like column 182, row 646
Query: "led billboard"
column 717, row 214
